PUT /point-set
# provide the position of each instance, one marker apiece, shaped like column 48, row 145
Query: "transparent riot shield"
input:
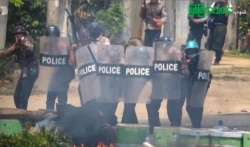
column 87, row 72
column 166, row 79
column 53, row 63
column 138, row 71
column 110, row 69
column 201, row 79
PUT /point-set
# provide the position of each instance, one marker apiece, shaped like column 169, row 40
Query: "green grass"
column 236, row 53
column 233, row 70
column 231, row 74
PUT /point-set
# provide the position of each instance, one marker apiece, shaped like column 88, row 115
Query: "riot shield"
column 138, row 70
column 110, row 69
column 201, row 79
column 53, row 62
column 166, row 79
column 87, row 71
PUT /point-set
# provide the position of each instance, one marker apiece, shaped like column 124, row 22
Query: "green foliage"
column 244, row 18
column 7, row 68
column 108, row 12
column 31, row 14
column 112, row 19
column 237, row 53
column 17, row 3
column 42, row 138
column 84, row 11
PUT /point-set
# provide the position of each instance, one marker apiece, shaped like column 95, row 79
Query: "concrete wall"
column 3, row 21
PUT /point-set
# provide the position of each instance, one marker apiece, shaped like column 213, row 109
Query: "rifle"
column 73, row 26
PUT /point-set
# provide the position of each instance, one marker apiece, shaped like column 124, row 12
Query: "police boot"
column 129, row 115
column 191, row 113
column 174, row 113
column 198, row 112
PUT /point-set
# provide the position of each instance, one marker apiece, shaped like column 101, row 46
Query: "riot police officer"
column 59, row 84
column 96, row 35
column 165, row 84
column 194, row 94
column 24, row 53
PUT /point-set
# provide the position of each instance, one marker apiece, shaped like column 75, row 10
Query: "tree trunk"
column 4, row 4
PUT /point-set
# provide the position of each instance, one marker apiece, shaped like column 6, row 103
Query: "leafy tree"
column 112, row 19
column 243, row 18
column 108, row 12
column 32, row 15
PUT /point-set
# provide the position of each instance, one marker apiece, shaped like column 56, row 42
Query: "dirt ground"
column 229, row 92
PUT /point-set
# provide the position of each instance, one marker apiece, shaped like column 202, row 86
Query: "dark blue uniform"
column 196, row 30
column 25, row 57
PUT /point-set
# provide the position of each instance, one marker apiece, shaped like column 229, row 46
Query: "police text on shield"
column 107, row 69
column 166, row 66
column 54, row 60
column 142, row 71
column 202, row 75
column 86, row 70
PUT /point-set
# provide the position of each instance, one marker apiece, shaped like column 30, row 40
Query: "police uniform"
column 59, row 84
column 189, row 72
column 217, row 35
column 107, row 108
column 196, row 30
column 154, row 17
column 24, row 53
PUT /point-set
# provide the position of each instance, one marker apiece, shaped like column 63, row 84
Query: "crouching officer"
column 196, row 81
column 24, row 53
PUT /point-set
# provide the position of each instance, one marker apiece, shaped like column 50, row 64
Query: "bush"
column 7, row 68
column 113, row 20
column 43, row 138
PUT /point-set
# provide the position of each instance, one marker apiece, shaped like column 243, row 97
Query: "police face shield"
column 138, row 69
column 201, row 77
column 166, row 79
column 87, row 73
column 191, row 53
column 109, row 71
column 54, row 57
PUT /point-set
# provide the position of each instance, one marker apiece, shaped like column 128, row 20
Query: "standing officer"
column 165, row 51
column 108, row 108
column 154, row 14
column 94, row 35
column 24, row 53
column 62, row 76
column 217, row 35
column 84, row 40
column 196, row 21
column 191, row 92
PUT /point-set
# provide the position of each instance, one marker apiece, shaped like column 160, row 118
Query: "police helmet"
column 19, row 30
column 191, row 48
column 95, row 30
column 191, row 44
column 52, row 30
